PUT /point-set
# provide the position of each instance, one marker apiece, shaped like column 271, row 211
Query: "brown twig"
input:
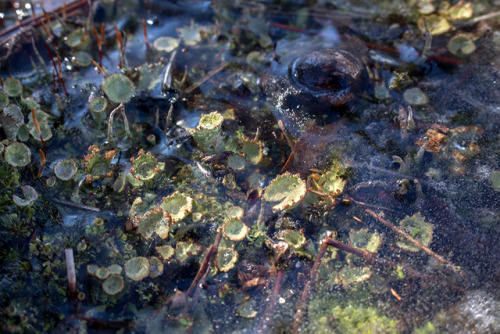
column 70, row 269
column 39, row 132
column 269, row 310
column 448, row 264
column 309, row 285
column 76, row 205
column 119, row 40
column 99, row 44
column 206, row 77
column 145, row 30
column 204, row 270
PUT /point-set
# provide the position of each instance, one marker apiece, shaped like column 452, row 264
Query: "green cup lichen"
column 17, row 155
column 166, row 44
column 102, row 273
column 137, row 268
column 156, row 220
column 226, row 259
column 185, row 249
column 118, row 88
column 98, row 108
column 418, row 228
column 4, row 99
column 364, row 239
column 12, row 87
column 155, row 267
column 253, row 149
column 113, row 285
column 234, row 229
column 236, row 162
column 178, row 205
column 115, row 269
column 65, row 169
column 98, row 166
column 235, row 212
column 287, row 189
column 145, row 166
column 295, row 239
column 207, row 134
column 166, row 252
column 30, row 196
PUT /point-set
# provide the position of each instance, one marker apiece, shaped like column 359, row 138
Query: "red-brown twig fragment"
column 204, row 270
column 145, row 29
column 99, row 44
column 395, row 294
column 71, row 273
column 119, row 40
column 43, row 154
column 64, row 14
column 42, row 162
column 207, row 76
column 309, row 285
column 98, row 67
column 61, row 79
column 32, row 8
column 448, row 264
column 267, row 316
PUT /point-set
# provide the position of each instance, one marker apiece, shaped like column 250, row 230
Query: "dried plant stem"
column 204, row 270
column 206, row 77
column 121, row 110
column 76, row 205
column 309, row 285
column 448, row 264
column 269, row 310
column 70, row 269
column 145, row 30
column 38, row 56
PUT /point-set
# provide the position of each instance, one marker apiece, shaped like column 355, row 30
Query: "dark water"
column 405, row 125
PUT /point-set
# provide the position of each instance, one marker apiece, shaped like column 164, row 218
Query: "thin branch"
column 448, row 264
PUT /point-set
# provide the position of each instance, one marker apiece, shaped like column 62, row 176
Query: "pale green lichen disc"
column 166, row 252
column 437, row 25
column 364, row 239
column 44, row 130
column 461, row 44
column 415, row 96
column 99, row 104
column 352, row 274
column 115, row 269
column 113, row 285
column 102, row 273
column 30, row 196
column 4, row 99
column 166, row 44
column 331, row 184
column 75, row 38
column 495, row 180
column 156, row 267
column 185, row 249
column 151, row 222
column 17, row 155
column 418, row 228
column 178, row 205
column 207, row 133
column 92, row 269
column 295, row 239
column 235, row 212
column 234, row 229
column 65, row 169
column 118, row 88
column 145, row 167
column 226, row 259
column 82, row 59
column 287, row 189
column 236, row 162
column 246, row 310
column 137, row 268
column 253, row 150
column 12, row 87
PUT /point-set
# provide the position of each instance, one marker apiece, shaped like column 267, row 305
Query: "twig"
column 448, row 264
column 269, row 310
column 70, row 269
column 145, row 30
column 166, row 82
column 204, row 270
column 206, row 77
column 121, row 109
column 76, row 205
column 309, row 285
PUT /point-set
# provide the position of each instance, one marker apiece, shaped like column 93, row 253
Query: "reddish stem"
column 145, row 29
